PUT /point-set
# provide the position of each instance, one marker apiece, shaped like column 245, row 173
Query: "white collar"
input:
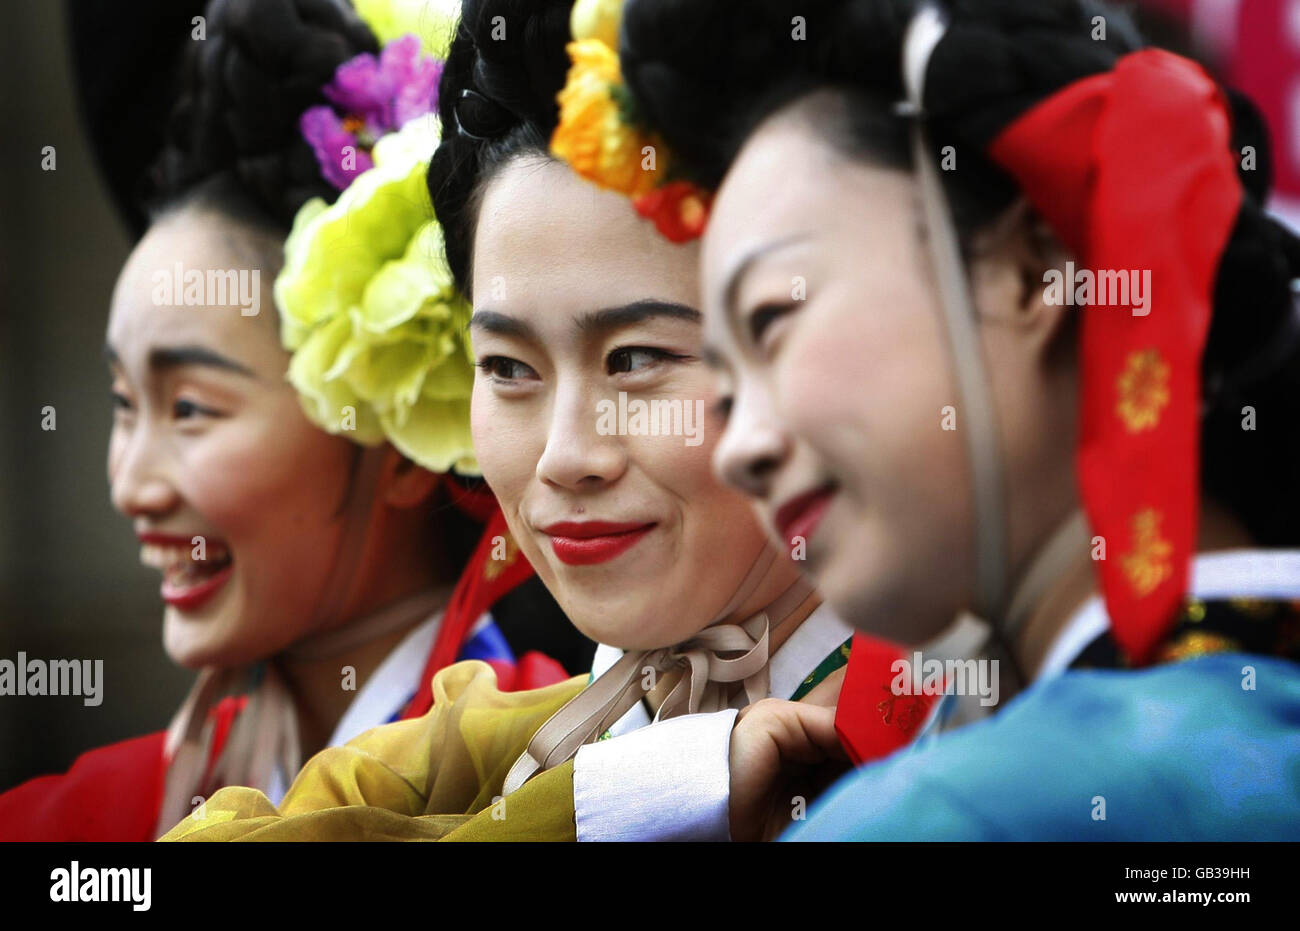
column 814, row 640
column 1249, row 573
column 389, row 687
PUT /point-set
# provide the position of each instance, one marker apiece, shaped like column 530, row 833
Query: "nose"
column 578, row 456
column 753, row 445
column 137, row 474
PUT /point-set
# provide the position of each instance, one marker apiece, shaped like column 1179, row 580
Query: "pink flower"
column 371, row 97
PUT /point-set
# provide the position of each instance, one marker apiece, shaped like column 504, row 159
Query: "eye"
column 183, row 409
column 762, row 318
column 503, row 368
column 120, row 402
column 635, row 358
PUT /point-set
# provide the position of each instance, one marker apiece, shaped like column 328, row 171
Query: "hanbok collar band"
column 265, row 734
column 716, row 665
column 395, row 617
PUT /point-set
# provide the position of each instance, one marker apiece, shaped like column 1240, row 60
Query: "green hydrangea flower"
column 369, row 310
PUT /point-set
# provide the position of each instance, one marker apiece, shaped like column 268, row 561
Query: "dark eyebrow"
column 738, row 270
column 502, row 324
column 611, row 318
column 174, row 357
column 169, row 357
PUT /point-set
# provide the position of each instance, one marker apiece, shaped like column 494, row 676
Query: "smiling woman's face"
column 581, row 308
column 845, row 422
column 824, row 326
column 209, row 441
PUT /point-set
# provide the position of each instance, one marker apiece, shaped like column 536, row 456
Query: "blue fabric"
column 1178, row 752
column 487, row 643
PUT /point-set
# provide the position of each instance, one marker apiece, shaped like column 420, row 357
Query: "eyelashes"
column 182, row 408
column 504, row 369
column 614, row 364
column 625, row 360
column 761, row 319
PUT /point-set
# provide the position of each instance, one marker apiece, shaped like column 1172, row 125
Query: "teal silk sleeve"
column 1205, row 749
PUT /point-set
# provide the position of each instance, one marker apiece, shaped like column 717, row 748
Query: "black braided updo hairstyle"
column 243, row 89
column 706, row 73
column 496, row 102
column 234, row 144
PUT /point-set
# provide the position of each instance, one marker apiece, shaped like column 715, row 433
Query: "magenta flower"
column 371, row 97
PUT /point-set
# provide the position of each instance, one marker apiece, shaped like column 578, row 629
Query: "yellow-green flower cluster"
column 369, row 310
column 434, row 21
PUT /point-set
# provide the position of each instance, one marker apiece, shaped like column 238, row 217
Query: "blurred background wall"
column 70, row 583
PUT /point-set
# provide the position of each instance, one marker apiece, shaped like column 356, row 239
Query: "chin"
column 183, row 647
column 862, row 592
column 196, row 643
column 627, row 623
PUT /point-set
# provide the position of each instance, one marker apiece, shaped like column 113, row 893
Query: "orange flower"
column 592, row 136
column 597, row 19
column 1143, row 390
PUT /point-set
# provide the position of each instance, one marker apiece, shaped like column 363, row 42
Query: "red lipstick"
column 596, row 541
column 800, row 516
column 191, row 597
column 190, row 579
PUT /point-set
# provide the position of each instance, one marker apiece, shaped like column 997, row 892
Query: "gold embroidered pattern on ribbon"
column 1143, row 389
column 1148, row 564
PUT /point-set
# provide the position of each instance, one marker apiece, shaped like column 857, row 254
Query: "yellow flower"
column 433, row 21
column 597, row 19
column 368, row 307
column 1143, row 390
column 592, row 136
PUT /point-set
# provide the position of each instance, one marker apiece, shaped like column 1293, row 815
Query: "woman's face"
column 845, row 423
column 209, row 442
column 583, row 317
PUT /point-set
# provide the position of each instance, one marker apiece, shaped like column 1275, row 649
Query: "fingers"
column 805, row 733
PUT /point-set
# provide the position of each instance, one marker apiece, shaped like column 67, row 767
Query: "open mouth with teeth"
column 187, row 581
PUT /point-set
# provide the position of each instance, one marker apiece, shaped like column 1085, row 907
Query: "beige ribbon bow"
column 715, row 666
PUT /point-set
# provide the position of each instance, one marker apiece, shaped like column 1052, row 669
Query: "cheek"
column 867, row 387
column 508, row 440
column 116, row 446
column 277, row 480
column 683, row 464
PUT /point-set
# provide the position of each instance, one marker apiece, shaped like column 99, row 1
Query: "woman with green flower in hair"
column 308, row 529
column 703, row 626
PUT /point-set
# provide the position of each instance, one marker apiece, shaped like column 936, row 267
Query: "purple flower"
column 338, row 152
column 371, row 97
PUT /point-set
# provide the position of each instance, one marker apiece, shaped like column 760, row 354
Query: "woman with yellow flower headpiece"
column 1004, row 327
column 308, row 530
column 583, row 321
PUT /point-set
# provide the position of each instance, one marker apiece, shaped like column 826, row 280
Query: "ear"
column 403, row 484
column 1013, row 262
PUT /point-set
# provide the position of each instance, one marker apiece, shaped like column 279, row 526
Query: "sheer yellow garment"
column 431, row 778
